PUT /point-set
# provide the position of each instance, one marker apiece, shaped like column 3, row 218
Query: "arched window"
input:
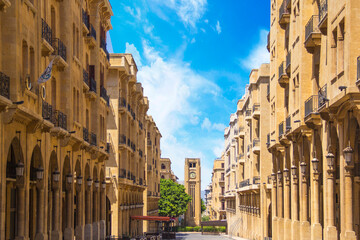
column 163, row 166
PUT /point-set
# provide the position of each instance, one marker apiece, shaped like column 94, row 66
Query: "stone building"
column 53, row 140
column 247, row 161
column 217, row 191
column 192, row 185
column 126, row 173
column 314, row 126
column 165, row 171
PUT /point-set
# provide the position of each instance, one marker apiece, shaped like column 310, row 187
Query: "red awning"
column 151, row 218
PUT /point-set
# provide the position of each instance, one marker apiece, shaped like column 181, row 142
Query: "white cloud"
column 203, row 30
column 193, row 40
column 136, row 13
column 130, row 48
column 206, row 21
column 189, row 11
column 218, row 27
column 258, row 55
column 206, row 124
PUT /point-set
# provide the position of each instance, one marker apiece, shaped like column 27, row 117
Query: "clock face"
column 192, row 175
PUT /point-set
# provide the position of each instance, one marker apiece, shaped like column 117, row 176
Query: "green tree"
column 203, row 207
column 173, row 199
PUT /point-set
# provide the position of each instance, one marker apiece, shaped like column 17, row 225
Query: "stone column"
column 79, row 230
column 102, row 211
column 40, row 211
column 68, row 233
column 20, row 189
column 95, row 206
column 295, row 224
column 55, row 234
column 274, row 205
column 304, row 196
column 280, row 195
column 88, row 233
column 286, row 194
column 348, row 180
column 316, row 228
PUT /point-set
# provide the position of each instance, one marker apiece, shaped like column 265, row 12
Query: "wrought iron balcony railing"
column 103, row 47
column 47, row 112
column 312, row 26
column 86, row 77
column 122, row 102
column 61, row 119
column 85, row 134
column 92, row 83
column 103, row 94
column 92, row 32
column 122, row 173
column 311, row 105
column 122, row 139
column 86, row 19
column 281, row 129
column 288, row 123
column 46, row 32
column 256, row 180
column 93, row 141
column 322, row 96
column 323, row 10
column 244, row 183
column 59, row 48
column 4, row 85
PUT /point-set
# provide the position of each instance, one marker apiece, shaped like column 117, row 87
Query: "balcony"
column 288, row 124
column 122, row 139
column 268, row 42
column 91, row 37
column 59, row 52
column 288, row 64
column 281, row 129
column 86, row 80
column 46, row 41
column 256, row 146
column 283, row 77
column 256, row 111
column 47, row 112
column 149, row 143
column 92, row 84
column 284, row 15
column 322, row 97
column 244, row 183
column 103, row 95
column 323, row 15
column 4, row 85
column 248, row 115
column 61, row 120
column 104, row 49
column 122, row 173
column 140, row 125
column 85, row 22
column 122, row 104
column 93, row 141
column 288, row 4
column 140, row 153
column 312, row 34
column 86, row 134
column 256, row 180
column 312, row 116
column 56, row 117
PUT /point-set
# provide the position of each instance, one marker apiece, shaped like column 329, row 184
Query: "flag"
column 46, row 74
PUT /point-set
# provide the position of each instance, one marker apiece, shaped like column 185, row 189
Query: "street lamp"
column 20, row 169
column 96, row 183
column 89, row 181
column 279, row 175
column 79, row 180
column 348, row 152
column 293, row 170
column 303, row 168
column 330, row 160
column 40, row 173
column 56, row 175
column 103, row 184
column 315, row 164
column 273, row 177
column 69, row 178
column 286, row 173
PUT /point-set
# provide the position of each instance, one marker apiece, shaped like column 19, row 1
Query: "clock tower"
column 193, row 188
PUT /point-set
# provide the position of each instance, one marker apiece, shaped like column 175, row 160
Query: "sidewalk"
column 236, row 238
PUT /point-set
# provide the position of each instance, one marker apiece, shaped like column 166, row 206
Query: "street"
column 198, row 236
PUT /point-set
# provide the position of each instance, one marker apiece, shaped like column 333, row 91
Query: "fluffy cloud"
column 206, row 124
column 189, row 11
column 130, row 48
column 218, row 27
column 258, row 54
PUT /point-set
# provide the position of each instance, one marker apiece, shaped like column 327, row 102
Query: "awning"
column 151, row 218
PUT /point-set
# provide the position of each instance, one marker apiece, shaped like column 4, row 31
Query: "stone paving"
column 198, row 236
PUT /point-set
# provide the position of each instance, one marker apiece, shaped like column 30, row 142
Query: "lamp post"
column 330, row 159
column 56, row 176
column 280, row 194
column 20, row 170
column 295, row 193
column 349, row 165
column 303, row 198
column 315, row 165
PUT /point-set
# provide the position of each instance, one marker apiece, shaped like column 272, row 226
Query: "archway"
column 14, row 195
column 95, row 195
column 66, row 195
column 87, row 195
column 36, row 196
column 77, row 196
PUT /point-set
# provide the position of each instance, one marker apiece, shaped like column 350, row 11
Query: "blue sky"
column 194, row 58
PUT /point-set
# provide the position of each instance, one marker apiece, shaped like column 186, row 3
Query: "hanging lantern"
column 96, row 183
column 79, row 180
column 89, row 182
column 303, row 168
column 20, row 169
column 279, row 175
column 69, row 178
column 315, row 164
column 330, row 160
column 286, row 173
column 40, row 173
column 56, row 175
column 348, row 152
column 103, row 184
column 273, row 176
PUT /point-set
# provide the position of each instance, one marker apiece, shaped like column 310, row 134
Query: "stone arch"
column 36, row 162
column 163, row 166
column 15, row 156
column 53, row 166
column 102, row 175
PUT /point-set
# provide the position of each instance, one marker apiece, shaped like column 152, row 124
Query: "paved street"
column 198, row 236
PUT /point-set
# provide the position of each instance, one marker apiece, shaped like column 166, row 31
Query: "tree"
column 173, row 199
column 203, row 207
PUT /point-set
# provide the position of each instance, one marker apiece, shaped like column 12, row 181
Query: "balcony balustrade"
column 323, row 13
column 284, row 15
column 128, row 142
column 248, row 115
column 103, row 94
column 122, row 173
column 256, row 110
column 46, row 32
column 85, row 134
column 4, row 85
column 256, row 180
column 92, row 83
column 103, row 47
column 56, row 117
column 283, row 77
column 311, row 105
column 86, row 19
column 92, row 32
column 281, row 129
column 61, row 119
column 86, row 77
column 140, row 181
column 288, row 123
column 288, row 63
column 322, row 96
column 122, row 139
column 59, row 48
column 122, row 102
column 47, row 112
column 312, row 33
column 244, row 183
column 93, row 141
